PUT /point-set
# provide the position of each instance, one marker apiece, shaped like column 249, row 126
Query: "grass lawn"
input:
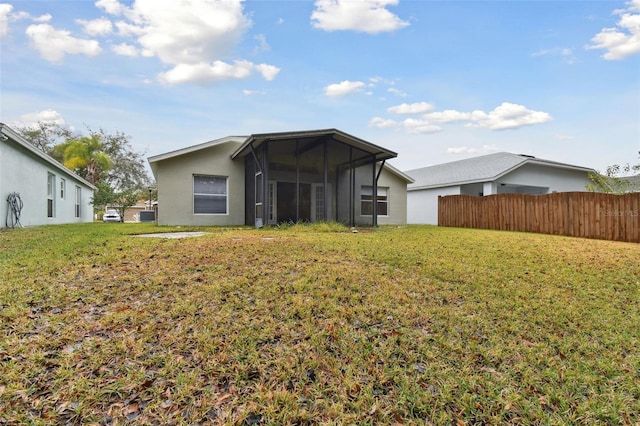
column 317, row 325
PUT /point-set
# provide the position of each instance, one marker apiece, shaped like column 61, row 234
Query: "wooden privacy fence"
column 577, row 214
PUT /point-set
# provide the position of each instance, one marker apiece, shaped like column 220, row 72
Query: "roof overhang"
column 256, row 140
column 9, row 133
column 532, row 160
column 194, row 148
column 399, row 173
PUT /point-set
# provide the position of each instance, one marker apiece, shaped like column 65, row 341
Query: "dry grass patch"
column 310, row 325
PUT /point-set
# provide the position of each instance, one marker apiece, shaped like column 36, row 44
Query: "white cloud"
column 397, row 92
column 624, row 40
column 6, row 15
column 505, row 116
column 343, row 88
column 262, row 46
column 382, row 123
column 563, row 52
column 188, row 31
column 125, row 49
column 461, row 150
column 42, row 18
column 5, row 9
column 54, row 44
column 470, row 150
column 269, row 72
column 192, row 36
column 47, row 116
column 369, row 16
column 562, row 137
column 203, row 73
column 96, row 27
column 447, row 116
column 508, row 116
column 415, row 108
column 112, row 7
column 416, row 125
column 248, row 92
column 126, row 29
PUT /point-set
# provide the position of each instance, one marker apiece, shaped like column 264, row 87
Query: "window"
column 63, row 186
column 259, row 193
column 272, row 206
column 366, row 201
column 78, row 194
column 51, row 184
column 317, row 202
column 209, row 194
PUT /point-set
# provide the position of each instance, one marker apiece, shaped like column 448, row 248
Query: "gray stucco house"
column 269, row 178
column 50, row 193
column 498, row 173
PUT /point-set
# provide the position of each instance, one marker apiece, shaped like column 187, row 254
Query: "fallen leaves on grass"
column 413, row 325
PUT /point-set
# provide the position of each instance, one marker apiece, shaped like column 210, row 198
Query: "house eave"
column 153, row 161
column 399, row 173
column 194, row 148
column 16, row 137
column 257, row 139
column 486, row 179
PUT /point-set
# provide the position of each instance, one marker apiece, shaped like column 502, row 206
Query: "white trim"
column 226, row 195
column 51, row 195
column 388, row 190
column 272, row 211
column 16, row 137
column 195, row 148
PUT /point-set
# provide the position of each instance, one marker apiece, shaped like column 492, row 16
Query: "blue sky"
column 435, row 81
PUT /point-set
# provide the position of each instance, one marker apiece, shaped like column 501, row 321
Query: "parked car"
column 111, row 216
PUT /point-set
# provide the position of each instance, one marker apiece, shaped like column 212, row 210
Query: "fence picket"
column 578, row 214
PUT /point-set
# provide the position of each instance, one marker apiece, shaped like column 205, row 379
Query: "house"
column 132, row 213
column 269, row 178
column 497, row 173
column 49, row 193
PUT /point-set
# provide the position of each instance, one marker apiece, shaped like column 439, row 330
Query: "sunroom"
column 313, row 176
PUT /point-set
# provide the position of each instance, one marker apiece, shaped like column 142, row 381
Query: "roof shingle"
column 484, row 168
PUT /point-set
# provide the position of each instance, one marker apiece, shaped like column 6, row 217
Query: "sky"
column 433, row 80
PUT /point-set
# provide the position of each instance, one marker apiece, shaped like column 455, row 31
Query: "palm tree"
column 86, row 157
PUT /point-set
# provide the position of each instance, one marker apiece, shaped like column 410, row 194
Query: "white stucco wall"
column 422, row 204
column 175, row 186
column 24, row 172
column 397, row 190
column 555, row 178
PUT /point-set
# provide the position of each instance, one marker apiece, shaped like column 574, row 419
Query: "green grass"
column 317, row 325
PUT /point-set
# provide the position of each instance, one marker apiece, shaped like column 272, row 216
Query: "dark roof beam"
column 315, row 144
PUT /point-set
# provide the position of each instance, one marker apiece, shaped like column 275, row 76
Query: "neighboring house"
column 497, row 173
column 630, row 183
column 318, row 175
column 132, row 213
column 50, row 193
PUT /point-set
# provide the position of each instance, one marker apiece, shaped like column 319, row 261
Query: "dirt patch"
column 174, row 235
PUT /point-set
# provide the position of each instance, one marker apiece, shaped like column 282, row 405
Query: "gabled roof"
column 398, row 173
column 8, row 132
column 257, row 139
column 485, row 168
column 153, row 160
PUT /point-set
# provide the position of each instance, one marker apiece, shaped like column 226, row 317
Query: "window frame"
column 63, row 188
column 224, row 195
column 77, row 201
column 384, row 203
column 51, row 195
